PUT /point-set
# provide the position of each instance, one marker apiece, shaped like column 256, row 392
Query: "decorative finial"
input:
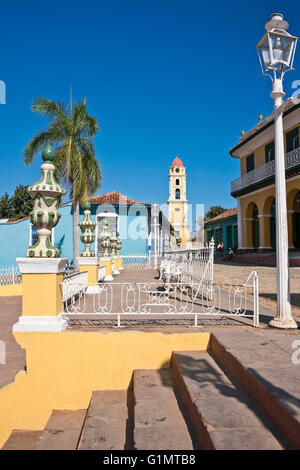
column 87, row 227
column 48, row 154
column 242, row 132
column 260, row 117
column 46, row 195
column 105, row 237
column 86, row 205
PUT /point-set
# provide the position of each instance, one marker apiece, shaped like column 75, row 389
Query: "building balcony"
column 264, row 172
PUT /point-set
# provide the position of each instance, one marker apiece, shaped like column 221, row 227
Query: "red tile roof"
column 225, row 215
column 114, row 197
column 177, row 162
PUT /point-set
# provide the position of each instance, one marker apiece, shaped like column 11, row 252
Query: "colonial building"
column 177, row 202
column 223, row 229
column 142, row 227
column 255, row 188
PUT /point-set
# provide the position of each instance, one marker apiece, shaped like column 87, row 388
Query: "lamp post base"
column 285, row 324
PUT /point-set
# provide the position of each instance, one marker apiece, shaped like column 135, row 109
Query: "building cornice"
column 288, row 107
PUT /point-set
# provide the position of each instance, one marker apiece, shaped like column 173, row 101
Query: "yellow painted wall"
column 92, row 271
column 6, row 291
column 177, row 206
column 263, row 200
column 64, row 368
column 108, row 266
column 42, row 292
column 259, row 153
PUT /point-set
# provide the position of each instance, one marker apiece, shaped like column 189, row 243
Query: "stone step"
column 62, row 431
column 222, row 415
column 22, row 440
column 261, row 363
column 106, row 424
column 158, row 421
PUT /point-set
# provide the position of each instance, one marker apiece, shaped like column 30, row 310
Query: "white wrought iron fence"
column 137, row 261
column 74, row 285
column 189, row 266
column 10, row 276
column 173, row 300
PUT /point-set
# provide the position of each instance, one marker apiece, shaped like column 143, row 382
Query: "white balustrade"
column 74, row 285
column 265, row 171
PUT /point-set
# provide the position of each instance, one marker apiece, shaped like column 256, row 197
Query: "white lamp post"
column 276, row 52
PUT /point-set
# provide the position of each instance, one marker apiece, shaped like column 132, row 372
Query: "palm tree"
column 70, row 130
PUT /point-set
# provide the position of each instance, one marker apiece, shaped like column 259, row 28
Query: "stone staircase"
column 205, row 400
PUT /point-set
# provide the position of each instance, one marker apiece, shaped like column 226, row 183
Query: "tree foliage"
column 17, row 206
column 214, row 211
column 5, row 207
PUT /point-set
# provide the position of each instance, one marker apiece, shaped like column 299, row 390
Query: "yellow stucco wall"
column 42, row 292
column 263, row 199
column 64, row 368
column 178, row 207
column 259, row 153
column 108, row 266
column 92, row 271
column 6, row 291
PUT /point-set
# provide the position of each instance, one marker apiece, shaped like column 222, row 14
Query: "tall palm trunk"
column 75, row 235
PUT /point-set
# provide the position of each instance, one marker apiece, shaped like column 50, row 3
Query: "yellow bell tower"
column 177, row 202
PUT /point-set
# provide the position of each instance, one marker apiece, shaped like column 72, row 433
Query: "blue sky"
column 164, row 78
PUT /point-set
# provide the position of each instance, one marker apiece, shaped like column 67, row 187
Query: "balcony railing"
column 265, row 171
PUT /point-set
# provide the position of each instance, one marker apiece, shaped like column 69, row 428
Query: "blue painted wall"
column 133, row 229
column 14, row 241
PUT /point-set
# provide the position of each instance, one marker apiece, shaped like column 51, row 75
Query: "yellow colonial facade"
column 177, row 202
column 255, row 188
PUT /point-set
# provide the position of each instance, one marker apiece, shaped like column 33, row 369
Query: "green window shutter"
column 270, row 152
column 292, row 140
column 250, row 163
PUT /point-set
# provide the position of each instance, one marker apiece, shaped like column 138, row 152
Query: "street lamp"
column 276, row 51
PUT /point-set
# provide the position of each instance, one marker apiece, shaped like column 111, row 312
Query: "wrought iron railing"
column 143, row 300
column 190, row 266
column 265, row 171
column 74, row 285
column 10, row 275
column 136, row 261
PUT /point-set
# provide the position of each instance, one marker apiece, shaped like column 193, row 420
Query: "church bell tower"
column 177, row 202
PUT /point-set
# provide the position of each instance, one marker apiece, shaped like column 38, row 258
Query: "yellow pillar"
column 120, row 264
column 42, row 304
column 264, row 232
column 107, row 262
column 115, row 261
column 90, row 265
column 249, row 235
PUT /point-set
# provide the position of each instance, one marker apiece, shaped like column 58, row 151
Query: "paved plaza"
column 10, row 310
column 267, row 282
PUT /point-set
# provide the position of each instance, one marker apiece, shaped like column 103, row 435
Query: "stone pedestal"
column 42, row 305
column 107, row 262
column 120, row 263
column 90, row 265
column 115, row 260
